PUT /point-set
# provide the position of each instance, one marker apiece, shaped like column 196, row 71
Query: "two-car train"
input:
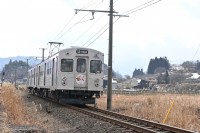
column 72, row 75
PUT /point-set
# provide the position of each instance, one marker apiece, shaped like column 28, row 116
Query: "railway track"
column 151, row 92
column 131, row 123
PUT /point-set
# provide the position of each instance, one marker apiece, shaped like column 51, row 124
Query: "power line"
column 95, row 34
column 127, row 13
column 142, row 7
column 64, row 27
column 71, row 28
column 101, row 33
column 87, row 30
column 80, row 21
column 86, row 6
column 138, row 6
column 196, row 52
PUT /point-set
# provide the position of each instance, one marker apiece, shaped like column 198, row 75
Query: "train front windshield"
column 66, row 65
column 95, row 66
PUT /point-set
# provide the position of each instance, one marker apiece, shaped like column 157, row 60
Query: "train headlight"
column 64, row 81
column 96, row 82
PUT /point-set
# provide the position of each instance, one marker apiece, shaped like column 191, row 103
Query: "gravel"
column 55, row 118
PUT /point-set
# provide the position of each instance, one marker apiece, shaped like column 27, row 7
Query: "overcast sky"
column 168, row 28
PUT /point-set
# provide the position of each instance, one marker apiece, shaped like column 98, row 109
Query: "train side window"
column 81, row 65
column 95, row 66
column 66, row 65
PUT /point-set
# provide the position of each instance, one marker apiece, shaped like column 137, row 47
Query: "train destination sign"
column 81, row 51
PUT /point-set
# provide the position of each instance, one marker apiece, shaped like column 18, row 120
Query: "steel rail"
column 151, row 92
column 133, row 123
column 109, row 119
column 142, row 121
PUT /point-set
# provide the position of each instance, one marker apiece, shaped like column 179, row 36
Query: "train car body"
column 71, row 75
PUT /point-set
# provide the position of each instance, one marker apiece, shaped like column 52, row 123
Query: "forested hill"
column 6, row 60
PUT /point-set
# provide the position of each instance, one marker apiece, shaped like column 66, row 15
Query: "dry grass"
column 184, row 114
column 14, row 105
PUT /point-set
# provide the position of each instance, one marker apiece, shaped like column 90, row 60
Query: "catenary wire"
column 101, row 33
column 70, row 20
column 64, row 27
column 80, row 21
column 132, row 11
column 138, row 7
column 196, row 52
column 95, row 34
column 87, row 5
column 98, row 31
column 87, row 30
column 143, row 7
column 84, row 7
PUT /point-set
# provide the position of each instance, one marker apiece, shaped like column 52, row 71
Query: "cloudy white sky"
column 168, row 28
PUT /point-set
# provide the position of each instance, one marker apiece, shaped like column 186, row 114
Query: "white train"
column 71, row 75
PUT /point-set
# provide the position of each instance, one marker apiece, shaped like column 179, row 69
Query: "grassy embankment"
column 14, row 106
column 185, row 112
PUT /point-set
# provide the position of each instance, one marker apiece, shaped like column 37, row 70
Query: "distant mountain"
column 31, row 61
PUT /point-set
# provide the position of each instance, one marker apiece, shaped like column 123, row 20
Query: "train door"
column 39, row 73
column 81, row 72
column 45, row 69
column 53, row 65
column 34, row 76
column 56, row 71
column 31, row 77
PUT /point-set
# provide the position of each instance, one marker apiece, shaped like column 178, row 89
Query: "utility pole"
column 109, row 91
column 27, row 69
column 43, row 49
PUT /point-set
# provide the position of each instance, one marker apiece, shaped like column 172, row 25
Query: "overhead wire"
column 102, row 33
column 71, row 28
column 80, row 21
column 97, row 33
column 145, row 5
column 127, row 13
column 87, row 30
column 64, row 27
column 138, row 6
column 71, row 20
column 196, row 52
column 87, row 5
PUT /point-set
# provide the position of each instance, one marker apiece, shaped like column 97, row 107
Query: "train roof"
column 72, row 48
